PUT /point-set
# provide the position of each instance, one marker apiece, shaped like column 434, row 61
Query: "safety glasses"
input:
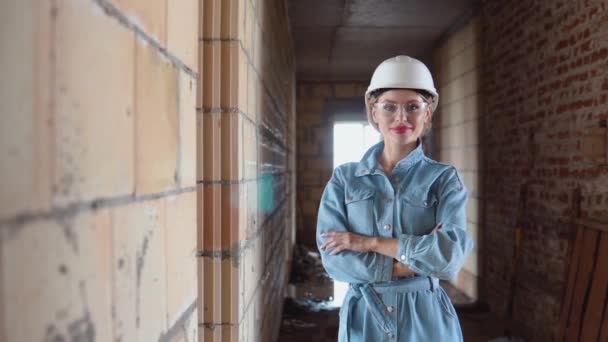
column 412, row 108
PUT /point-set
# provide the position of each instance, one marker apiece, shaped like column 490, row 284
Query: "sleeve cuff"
column 384, row 269
column 404, row 250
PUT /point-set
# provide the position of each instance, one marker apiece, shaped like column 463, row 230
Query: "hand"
column 437, row 227
column 401, row 270
column 341, row 241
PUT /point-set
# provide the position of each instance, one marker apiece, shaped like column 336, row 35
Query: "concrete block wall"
column 98, row 200
column 545, row 93
column 246, row 119
column 457, row 69
column 315, row 147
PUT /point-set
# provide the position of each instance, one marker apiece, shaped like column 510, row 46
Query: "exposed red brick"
column 562, row 71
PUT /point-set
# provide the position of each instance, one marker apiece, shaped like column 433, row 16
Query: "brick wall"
column 315, row 146
column 98, row 175
column 544, row 92
column 456, row 69
column 246, row 114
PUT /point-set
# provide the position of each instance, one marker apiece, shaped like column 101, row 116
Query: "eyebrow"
column 409, row 101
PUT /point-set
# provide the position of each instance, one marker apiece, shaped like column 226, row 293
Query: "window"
column 351, row 140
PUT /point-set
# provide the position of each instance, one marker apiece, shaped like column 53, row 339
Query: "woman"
column 394, row 223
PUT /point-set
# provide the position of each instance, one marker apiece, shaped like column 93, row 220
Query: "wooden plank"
column 604, row 332
column 581, row 287
column 597, row 296
column 593, row 224
column 567, row 303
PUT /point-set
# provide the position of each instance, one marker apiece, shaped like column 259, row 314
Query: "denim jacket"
column 420, row 193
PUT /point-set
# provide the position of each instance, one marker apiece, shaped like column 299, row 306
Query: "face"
column 401, row 116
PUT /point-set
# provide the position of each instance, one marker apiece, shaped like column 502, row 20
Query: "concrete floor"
column 305, row 321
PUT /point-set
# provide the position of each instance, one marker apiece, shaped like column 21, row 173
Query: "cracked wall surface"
column 98, row 214
column 148, row 169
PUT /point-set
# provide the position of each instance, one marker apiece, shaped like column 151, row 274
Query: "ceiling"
column 339, row 40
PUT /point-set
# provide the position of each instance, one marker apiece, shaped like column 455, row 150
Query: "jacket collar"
column 369, row 164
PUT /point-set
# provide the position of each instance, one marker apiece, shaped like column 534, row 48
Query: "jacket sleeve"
column 346, row 266
column 442, row 253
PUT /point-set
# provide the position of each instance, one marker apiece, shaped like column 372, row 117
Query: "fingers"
column 341, row 241
column 335, row 247
column 332, row 234
column 324, row 245
column 335, row 242
column 337, row 250
column 437, row 227
column 329, row 244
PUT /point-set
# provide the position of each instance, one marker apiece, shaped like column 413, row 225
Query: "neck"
column 393, row 154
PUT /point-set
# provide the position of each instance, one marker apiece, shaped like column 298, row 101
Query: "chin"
column 404, row 139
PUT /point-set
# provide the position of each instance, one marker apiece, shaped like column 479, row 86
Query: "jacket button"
column 387, row 227
column 403, row 257
column 390, row 309
column 390, row 335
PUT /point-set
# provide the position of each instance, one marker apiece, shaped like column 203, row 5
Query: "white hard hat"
column 402, row 72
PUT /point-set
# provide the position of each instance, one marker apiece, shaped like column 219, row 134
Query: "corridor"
column 163, row 163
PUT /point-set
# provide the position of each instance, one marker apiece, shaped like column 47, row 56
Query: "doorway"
column 351, row 140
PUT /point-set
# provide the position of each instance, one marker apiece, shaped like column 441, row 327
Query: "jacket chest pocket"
column 359, row 205
column 419, row 212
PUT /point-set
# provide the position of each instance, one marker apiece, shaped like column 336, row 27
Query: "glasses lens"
column 390, row 108
column 413, row 107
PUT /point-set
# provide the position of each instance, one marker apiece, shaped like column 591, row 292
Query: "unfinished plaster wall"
column 315, row 146
column 457, row 68
column 98, row 187
column 545, row 94
column 246, row 114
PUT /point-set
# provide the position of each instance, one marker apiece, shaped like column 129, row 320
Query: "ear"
column 428, row 116
column 374, row 118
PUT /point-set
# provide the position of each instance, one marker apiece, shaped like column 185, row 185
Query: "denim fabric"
column 410, row 309
column 419, row 194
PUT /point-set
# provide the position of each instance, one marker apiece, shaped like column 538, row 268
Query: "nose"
column 401, row 115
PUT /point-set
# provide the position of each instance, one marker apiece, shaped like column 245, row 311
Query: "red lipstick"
column 402, row 129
